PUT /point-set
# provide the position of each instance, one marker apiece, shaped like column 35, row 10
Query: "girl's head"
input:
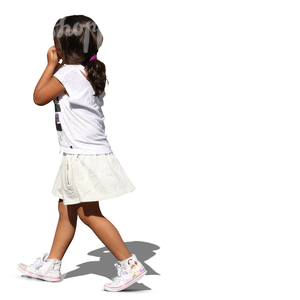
column 132, row 263
column 77, row 38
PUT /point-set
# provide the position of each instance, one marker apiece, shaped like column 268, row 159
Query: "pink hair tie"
column 93, row 57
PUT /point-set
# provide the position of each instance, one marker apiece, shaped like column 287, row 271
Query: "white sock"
column 124, row 261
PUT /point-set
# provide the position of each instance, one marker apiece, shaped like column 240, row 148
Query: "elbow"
column 38, row 100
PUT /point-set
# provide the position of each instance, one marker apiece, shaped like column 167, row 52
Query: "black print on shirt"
column 57, row 110
column 57, row 107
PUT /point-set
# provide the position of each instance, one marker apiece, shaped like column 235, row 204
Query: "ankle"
column 126, row 259
column 53, row 258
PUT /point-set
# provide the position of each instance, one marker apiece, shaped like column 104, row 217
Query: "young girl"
column 89, row 171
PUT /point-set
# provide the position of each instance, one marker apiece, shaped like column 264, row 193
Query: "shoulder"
column 65, row 69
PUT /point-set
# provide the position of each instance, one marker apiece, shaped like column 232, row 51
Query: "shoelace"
column 56, row 265
column 119, row 270
column 38, row 263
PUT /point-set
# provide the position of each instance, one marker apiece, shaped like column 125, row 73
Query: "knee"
column 66, row 211
column 87, row 212
column 62, row 209
column 82, row 216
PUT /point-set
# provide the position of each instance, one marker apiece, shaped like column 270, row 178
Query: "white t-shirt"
column 78, row 117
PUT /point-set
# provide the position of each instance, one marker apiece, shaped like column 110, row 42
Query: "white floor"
column 202, row 110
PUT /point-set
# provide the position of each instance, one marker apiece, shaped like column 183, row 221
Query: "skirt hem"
column 68, row 201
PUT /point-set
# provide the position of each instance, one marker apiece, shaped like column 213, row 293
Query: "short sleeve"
column 61, row 74
column 76, row 85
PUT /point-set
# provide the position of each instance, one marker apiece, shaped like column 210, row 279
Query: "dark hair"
column 132, row 260
column 77, row 38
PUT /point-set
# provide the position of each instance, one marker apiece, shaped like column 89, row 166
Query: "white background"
column 202, row 110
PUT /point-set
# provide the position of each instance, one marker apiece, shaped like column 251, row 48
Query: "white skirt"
column 86, row 178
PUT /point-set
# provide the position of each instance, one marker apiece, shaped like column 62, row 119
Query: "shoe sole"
column 128, row 284
column 33, row 275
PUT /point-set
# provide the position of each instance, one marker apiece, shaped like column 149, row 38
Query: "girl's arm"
column 48, row 87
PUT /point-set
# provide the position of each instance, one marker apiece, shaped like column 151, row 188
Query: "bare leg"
column 65, row 230
column 91, row 215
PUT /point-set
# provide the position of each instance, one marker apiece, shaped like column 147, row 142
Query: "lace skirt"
column 86, row 178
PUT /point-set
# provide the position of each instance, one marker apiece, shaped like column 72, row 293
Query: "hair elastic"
column 93, row 57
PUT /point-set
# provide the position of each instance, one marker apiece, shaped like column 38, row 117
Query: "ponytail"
column 77, row 39
column 96, row 74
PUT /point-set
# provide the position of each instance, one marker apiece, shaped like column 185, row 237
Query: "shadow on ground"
column 105, row 265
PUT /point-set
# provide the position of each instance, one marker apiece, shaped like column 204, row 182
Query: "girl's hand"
column 52, row 56
column 48, row 87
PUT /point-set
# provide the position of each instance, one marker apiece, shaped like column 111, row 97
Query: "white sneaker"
column 129, row 272
column 42, row 268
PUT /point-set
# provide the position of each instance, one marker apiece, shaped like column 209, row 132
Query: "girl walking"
column 89, row 170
